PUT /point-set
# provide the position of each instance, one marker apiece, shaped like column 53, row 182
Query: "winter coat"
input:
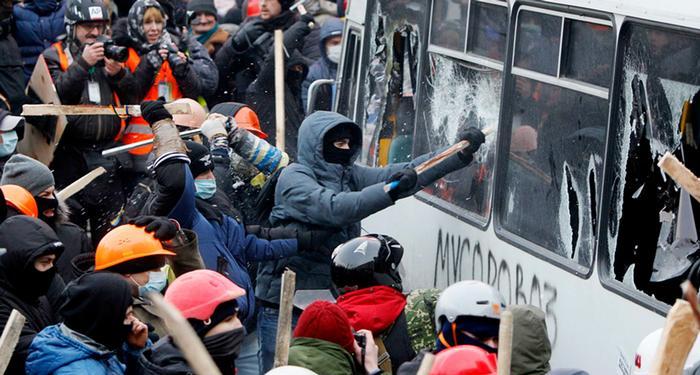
column 57, row 350
column 38, row 24
column 215, row 42
column 163, row 358
column 314, row 193
column 323, row 68
column 40, row 312
column 322, row 357
column 224, row 245
column 11, row 75
column 531, row 347
column 75, row 240
column 411, row 367
column 72, row 88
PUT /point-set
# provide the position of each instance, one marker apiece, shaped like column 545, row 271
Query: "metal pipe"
column 122, row 149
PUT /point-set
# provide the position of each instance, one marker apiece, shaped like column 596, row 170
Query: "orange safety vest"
column 64, row 64
column 138, row 129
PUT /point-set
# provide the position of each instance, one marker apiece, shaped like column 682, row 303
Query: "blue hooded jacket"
column 56, row 353
column 323, row 68
column 38, row 25
column 314, row 193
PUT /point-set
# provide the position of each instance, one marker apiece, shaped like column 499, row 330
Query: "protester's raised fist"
column 214, row 125
column 154, row 111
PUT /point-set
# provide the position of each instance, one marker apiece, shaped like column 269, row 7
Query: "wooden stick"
column 455, row 148
column 426, row 364
column 279, row 90
column 505, row 342
column 284, row 323
column 677, row 338
column 691, row 295
column 80, row 183
column 91, row 110
column 682, row 175
column 9, row 338
column 186, row 339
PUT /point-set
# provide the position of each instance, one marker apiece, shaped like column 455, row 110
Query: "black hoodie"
column 25, row 239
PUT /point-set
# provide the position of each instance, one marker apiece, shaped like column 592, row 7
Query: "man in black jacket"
column 28, row 280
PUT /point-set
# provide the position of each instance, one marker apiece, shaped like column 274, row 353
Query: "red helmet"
column 197, row 293
column 464, row 360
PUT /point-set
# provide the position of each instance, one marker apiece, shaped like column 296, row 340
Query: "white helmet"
column 290, row 370
column 468, row 298
column 194, row 119
column 644, row 357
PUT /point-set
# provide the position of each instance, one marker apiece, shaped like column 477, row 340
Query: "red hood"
column 374, row 308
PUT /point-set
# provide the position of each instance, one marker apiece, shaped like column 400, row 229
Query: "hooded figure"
column 531, row 347
column 22, row 286
column 326, row 67
column 38, row 24
column 325, row 188
column 97, row 324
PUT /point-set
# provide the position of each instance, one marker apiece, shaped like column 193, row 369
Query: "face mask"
column 224, row 348
column 38, row 282
column 337, row 155
column 205, row 188
column 156, row 283
column 44, row 204
column 9, row 143
column 333, row 53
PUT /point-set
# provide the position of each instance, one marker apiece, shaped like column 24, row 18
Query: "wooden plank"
column 682, row 175
column 182, row 332
column 284, row 323
column 505, row 342
column 80, row 183
column 279, row 90
column 10, row 337
column 426, row 364
column 95, row 110
column 455, row 148
column 677, row 338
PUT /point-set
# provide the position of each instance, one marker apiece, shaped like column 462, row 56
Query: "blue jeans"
column 267, row 335
column 248, row 360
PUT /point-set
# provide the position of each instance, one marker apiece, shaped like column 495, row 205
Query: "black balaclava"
column 44, row 204
column 96, row 306
column 335, row 155
column 223, row 347
column 452, row 334
column 25, row 239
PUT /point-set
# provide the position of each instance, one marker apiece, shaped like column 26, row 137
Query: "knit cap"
column 28, row 173
column 326, row 321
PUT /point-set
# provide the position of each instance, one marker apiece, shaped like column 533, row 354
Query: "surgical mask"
column 206, row 188
column 156, row 283
column 9, row 143
column 333, row 53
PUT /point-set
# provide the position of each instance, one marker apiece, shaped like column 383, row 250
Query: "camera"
column 113, row 51
column 361, row 340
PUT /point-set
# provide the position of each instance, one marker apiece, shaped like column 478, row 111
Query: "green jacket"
column 531, row 347
column 322, row 357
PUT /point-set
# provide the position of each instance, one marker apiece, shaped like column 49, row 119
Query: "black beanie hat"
column 221, row 313
column 195, row 6
column 96, row 306
column 286, row 4
column 200, row 158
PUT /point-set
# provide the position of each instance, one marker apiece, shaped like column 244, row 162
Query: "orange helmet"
column 125, row 243
column 20, row 199
column 247, row 119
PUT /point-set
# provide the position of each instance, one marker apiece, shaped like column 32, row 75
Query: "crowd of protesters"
column 212, row 222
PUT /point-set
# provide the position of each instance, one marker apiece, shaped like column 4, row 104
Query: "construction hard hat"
column 197, row 293
column 290, row 370
column 464, row 360
column 194, row 119
column 20, row 199
column 468, row 298
column 644, row 357
column 247, row 119
column 125, row 243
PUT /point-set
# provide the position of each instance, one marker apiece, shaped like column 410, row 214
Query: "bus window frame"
column 607, row 282
column 464, row 58
column 503, row 142
column 351, row 28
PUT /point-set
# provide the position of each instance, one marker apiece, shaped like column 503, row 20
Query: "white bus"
column 564, row 207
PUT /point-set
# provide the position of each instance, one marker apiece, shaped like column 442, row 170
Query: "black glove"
column 247, row 34
column 178, row 64
column 313, row 240
column 154, row 111
column 162, row 228
column 295, row 35
column 402, row 183
column 476, row 138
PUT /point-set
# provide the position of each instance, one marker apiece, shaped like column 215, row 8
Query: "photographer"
column 85, row 71
column 162, row 65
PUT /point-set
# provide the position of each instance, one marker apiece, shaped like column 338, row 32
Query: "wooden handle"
column 682, row 175
column 181, row 331
column 677, row 339
column 455, row 148
column 92, row 110
column 80, row 183
column 505, row 342
column 279, row 90
column 426, row 364
column 284, row 323
column 10, row 337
